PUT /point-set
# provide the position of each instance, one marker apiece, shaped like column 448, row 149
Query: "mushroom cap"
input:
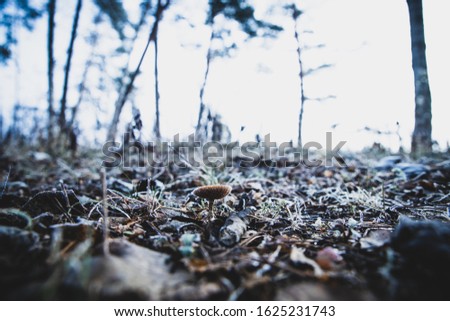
column 212, row 192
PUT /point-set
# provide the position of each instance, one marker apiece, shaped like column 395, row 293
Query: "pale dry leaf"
column 298, row 256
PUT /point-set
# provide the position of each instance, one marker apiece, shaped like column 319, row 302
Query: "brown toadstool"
column 212, row 193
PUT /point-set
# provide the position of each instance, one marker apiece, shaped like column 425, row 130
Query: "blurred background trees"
column 15, row 14
column 299, row 34
column 222, row 39
column 107, row 53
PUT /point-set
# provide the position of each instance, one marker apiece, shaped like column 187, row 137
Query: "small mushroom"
column 212, row 193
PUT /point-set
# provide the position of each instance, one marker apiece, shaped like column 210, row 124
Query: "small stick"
column 105, row 213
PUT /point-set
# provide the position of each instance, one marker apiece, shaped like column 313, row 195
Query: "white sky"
column 367, row 41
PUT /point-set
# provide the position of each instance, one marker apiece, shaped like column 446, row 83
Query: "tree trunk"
column 156, row 128
column 295, row 15
column 73, row 36
column 123, row 97
column 421, row 138
column 202, row 88
column 82, row 91
column 1, row 128
column 51, row 66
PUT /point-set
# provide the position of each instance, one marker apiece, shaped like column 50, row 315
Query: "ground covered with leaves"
column 374, row 229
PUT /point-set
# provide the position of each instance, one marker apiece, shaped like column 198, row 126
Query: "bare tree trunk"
column 82, row 86
column 156, row 128
column 295, row 15
column 73, row 36
column 421, row 138
column 51, row 66
column 82, row 90
column 1, row 128
column 202, row 88
column 123, row 97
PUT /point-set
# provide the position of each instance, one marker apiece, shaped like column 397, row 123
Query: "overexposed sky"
column 367, row 41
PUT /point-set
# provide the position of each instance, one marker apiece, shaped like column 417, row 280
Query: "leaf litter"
column 376, row 229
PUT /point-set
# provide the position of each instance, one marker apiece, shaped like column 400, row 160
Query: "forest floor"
column 376, row 229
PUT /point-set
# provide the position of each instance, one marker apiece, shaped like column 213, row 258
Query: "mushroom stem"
column 211, row 210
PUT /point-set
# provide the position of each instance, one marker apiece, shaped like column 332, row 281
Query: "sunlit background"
column 367, row 43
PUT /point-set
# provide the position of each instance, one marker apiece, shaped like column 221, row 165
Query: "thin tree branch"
column 50, row 66
column 209, row 56
column 320, row 99
column 73, row 36
column 315, row 69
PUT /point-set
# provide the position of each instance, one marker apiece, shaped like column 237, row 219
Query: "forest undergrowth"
column 374, row 229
